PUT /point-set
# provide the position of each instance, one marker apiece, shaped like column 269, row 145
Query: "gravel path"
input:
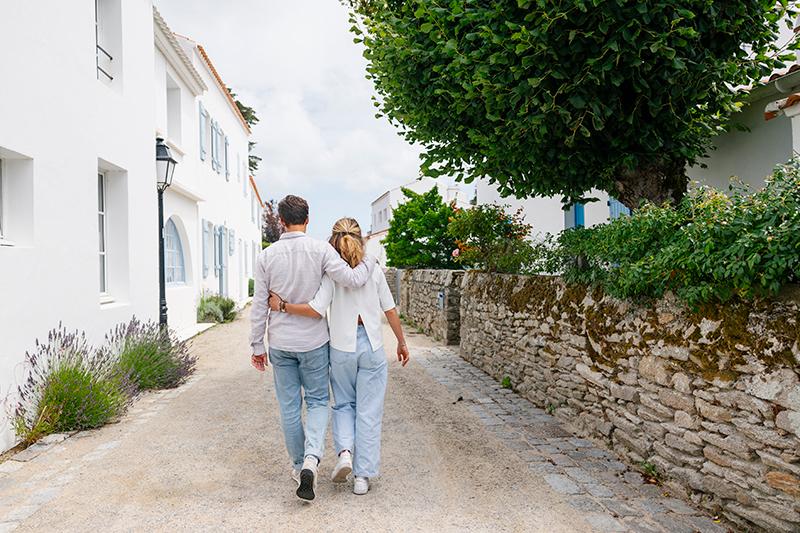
column 210, row 456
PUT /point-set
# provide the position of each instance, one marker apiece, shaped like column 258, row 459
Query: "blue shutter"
column 202, row 128
column 579, row 216
column 617, row 209
column 227, row 167
column 205, row 248
column 231, row 242
column 214, row 145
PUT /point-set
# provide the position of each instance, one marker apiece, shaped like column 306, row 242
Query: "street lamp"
column 165, row 168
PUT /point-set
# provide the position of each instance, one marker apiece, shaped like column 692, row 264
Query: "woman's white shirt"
column 345, row 304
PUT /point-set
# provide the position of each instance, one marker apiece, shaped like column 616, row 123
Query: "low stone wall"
column 710, row 398
column 393, row 277
column 430, row 300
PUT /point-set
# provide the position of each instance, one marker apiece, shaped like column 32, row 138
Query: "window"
column 238, row 167
column 101, row 228
column 173, row 254
column 108, row 40
column 173, row 110
column 214, row 153
column 617, row 209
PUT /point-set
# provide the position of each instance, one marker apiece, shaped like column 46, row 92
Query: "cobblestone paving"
column 609, row 495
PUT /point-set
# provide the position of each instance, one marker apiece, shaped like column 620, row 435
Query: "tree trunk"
column 659, row 181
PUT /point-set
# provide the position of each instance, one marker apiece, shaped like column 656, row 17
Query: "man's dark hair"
column 293, row 210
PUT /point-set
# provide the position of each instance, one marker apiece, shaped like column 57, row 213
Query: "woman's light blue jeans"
column 298, row 376
column 359, row 386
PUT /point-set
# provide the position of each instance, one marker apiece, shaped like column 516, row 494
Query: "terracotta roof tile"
column 222, row 86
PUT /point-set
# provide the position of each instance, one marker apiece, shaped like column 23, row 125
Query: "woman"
column 358, row 361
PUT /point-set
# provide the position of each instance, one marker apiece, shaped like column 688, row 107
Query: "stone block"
column 732, row 443
column 624, row 392
column 784, row 482
column 685, row 420
column 591, row 376
column 713, row 412
column 654, row 369
column 680, row 443
column 682, row 383
column 676, row 400
column 789, row 421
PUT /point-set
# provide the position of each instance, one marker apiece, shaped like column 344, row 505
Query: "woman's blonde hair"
column 346, row 238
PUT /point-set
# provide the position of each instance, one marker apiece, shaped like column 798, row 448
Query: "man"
column 298, row 346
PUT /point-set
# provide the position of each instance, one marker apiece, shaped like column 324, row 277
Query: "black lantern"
column 165, row 164
column 165, row 168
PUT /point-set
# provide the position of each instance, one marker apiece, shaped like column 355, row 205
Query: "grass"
column 506, row 383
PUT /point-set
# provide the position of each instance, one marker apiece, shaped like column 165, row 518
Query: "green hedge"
column 711, row 247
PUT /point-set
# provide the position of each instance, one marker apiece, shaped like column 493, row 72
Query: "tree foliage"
column 417, row 236
column 249, row 115
column 271, row 227
column 557, row 98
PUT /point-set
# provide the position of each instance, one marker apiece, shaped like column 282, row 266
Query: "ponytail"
column 346, row 239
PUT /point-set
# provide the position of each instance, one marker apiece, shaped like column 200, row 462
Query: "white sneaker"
column 296, row 475
column 343, row 467
column 360, row 485
column 308, row 479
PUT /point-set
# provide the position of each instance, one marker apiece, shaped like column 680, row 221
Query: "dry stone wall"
column 710, row 397
column 430, row 300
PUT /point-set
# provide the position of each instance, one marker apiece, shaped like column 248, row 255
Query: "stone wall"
column 710, row 398
column 392, row 275
column 430, row 300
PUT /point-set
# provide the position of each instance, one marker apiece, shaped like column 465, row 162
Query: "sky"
column 295, row 63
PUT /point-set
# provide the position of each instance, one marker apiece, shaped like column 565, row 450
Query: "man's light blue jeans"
column 308, row 371
column 358, row 380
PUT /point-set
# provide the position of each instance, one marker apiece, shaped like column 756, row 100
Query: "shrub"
column 711, row 247
column 152, row 357
column 417, row 236
column 215, row 308
column 251, row 287
column 490, row 239
column 69, row 387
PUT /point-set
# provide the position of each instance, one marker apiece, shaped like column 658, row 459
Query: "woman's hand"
column 402, row 353
column 274, row 301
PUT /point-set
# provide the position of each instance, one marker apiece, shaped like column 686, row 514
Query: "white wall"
column 749, row 155
column 58, row 115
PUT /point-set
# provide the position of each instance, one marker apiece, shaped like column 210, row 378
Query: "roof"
column 166, row 42
column 775, row 109
column 255, row 189
column 223, row 87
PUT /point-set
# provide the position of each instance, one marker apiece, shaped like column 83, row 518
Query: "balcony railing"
column 104, row 60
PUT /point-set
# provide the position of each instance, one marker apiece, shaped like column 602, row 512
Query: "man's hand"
column 274, row 301
column 259, row 362
column 402, row 354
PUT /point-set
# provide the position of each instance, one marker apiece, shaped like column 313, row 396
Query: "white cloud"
column 296, row 64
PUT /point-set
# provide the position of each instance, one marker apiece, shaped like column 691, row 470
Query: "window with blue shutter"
column 214, row 146
column 574, row 216
column 206, row 239
column 203, row 127
column 617, row 209
column 227, row 167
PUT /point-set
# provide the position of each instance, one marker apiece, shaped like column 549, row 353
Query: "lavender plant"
column 68, row 387
column 152, row 356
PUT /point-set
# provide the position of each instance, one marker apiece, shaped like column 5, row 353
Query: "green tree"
column 557, row 98
column 249, row 115
column 417, row 236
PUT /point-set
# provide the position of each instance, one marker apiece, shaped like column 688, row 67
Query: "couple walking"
column 298, row 280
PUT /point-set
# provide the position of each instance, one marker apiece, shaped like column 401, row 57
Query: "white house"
column 90, row 84
column 385, row 204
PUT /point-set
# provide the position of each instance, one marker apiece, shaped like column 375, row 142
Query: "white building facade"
column 86, row 94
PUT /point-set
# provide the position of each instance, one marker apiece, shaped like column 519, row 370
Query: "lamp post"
column 165, row 168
